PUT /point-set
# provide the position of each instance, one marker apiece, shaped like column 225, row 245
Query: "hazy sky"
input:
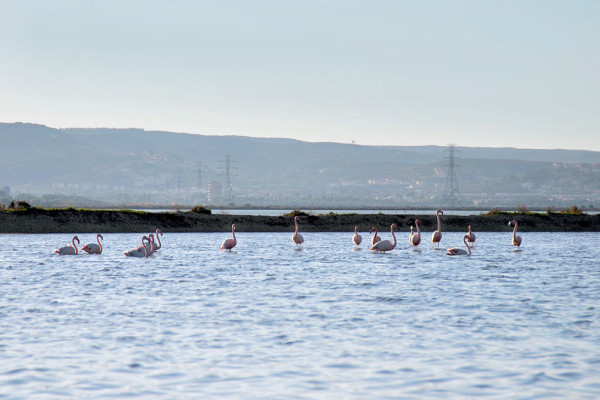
column 474, row 73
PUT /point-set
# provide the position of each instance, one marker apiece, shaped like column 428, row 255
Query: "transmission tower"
column 228, row 174
column 451, row 191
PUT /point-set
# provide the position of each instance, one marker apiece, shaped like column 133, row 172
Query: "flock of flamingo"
column 149, row 246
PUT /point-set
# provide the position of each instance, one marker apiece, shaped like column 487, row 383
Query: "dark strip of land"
column 37, row 220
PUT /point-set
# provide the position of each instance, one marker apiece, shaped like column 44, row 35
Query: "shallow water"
column 329, row 321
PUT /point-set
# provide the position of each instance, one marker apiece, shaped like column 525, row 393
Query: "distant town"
column 140, row 169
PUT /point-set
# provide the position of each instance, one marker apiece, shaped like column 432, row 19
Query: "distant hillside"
column 163, row 167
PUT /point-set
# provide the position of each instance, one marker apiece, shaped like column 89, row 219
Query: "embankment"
column 108, row 221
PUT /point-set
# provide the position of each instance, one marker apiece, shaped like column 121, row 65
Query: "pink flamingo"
column 386, row 245
column 375, row 238
column 140, row 251
column 415, row 238
column 470, row 237
column 357, row 238
column 93, row 248
column 516, row 239
column 455, row 251
column 437, row 235
column 229, row 243
column 297, row 237
column 70, row 250
column 154, row 247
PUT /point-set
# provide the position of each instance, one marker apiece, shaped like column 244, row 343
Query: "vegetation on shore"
column 24, row 219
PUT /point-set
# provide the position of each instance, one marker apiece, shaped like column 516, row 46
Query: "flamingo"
column 140, row 251
column 415, row 238
column 470, row 237
column 437, row 235
column 154, row 247
column 386, row 245
column 356, row 239
column 297, row 237
column 455, row 251
column 375, row 238
column 516, row 239
column 70, row 250
column 229, row 243
column 93, row 248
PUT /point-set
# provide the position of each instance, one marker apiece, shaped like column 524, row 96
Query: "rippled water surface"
column 267, row 321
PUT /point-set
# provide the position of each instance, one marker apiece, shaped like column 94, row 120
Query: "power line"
column 228, row 174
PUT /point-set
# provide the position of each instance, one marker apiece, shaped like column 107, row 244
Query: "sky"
column 508, row 73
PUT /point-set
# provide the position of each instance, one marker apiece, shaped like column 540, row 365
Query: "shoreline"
column 36, row 220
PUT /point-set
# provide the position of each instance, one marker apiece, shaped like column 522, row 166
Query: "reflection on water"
column 329, row 321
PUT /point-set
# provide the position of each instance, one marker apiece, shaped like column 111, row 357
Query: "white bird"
column 357, row 238
column 436, row 237
column 415, row 238
column 140, row 251
column 154, row 246
column 455, row 251
column 516, row 239
column 375, row 237
column 93, row 248
column 386, row 245
column 470, row 237
column 70, row 250
column 229, row 243
column 297, row 237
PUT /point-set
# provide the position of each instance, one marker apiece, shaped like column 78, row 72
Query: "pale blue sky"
column 475, row 73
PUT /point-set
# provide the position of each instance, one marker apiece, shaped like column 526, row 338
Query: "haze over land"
column 115, row 166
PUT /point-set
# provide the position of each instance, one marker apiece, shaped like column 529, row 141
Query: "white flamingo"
column 70, row 250
column 415, row 238
column 297, row 237
column 154, row 246
column 140, row 251
column 357, row 238
column 229, row 243
column 93, row 248
column 516, row 239
column 470, row 237
column 437, row 235
column 386, row 245
column 375, row 237
column 455, row 251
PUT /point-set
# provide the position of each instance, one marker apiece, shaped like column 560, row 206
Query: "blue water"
column 328, row 322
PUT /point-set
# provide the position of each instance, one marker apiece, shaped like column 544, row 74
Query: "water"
column 269, row 322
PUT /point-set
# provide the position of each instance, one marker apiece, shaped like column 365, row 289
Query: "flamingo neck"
column 467, row 244
column 418, row 228
column 233, row 234
column 394, row 236
column 296, row 223
column 515, row 230
column 75, row 246
column 437, row 215
column 158, row 238
column 99, row 244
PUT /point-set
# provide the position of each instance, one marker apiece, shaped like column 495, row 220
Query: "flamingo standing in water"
column 297, row 237
column 386, row 245
column 375, row 238
column 140, row 251
column 93, row 248
column 455, row 251
column 70, row 250
column 154, row 246
column 437, row 235
column 415, row 238
column 229, row 243
column 357, row 238
column 470, row 237
column 516, row 239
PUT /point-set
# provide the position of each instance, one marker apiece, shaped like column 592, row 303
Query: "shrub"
column 296, row 213
column 201, row 210
column 573, row 211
